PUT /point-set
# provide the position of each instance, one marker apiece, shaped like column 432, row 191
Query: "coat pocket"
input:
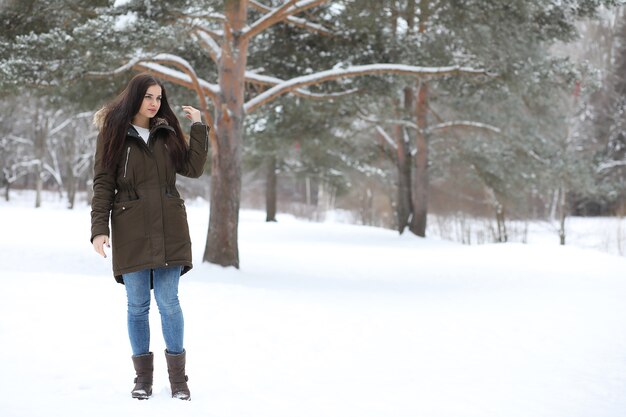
column 176, row 227
column 127, row 222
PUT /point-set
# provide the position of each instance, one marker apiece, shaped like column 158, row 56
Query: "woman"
column 139, row 151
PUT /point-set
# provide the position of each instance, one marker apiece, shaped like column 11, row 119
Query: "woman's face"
column 151, row 102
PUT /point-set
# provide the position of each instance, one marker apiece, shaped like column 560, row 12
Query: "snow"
column 213, row 89
column 386, row 137
column 123, row 22
column 293, row 20
column 466, row 123
column 322, row 319
column 254, row 77
column 215, row 49
column 610, row 164
column 353, row 71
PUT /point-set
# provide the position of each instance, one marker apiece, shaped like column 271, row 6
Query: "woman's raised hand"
column 99, row 242
column 192, row 114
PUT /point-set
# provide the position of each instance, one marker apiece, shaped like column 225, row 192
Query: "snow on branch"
column 384, row 135
column 187, row 78
column 356, row 71
column 296, row 21
column 609, row 165
column 126, row 67
column 19, row 139
column 178, row 77
column 266, row 80
column 464, row 124
column 207, row 43
column 68, row 121
column 284, row 13
column 400, row 122
column 268, row 19
column 302, row 6
column 206, row 16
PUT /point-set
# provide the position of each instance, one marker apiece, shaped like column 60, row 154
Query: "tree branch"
column 175, row 77
column 356, row 71
column 144, row 64
column 386, row 138
column 296, row 21
column 400, row 122
column 266, row 80
column 609, row 165
column 117, row 71
column 61, row 126
column 207, row 43
column 464, row 124
column 19, row 139
column 214, row 16
column 265, row 22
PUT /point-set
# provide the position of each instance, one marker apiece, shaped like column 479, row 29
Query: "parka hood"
column 100, row 115
column 98, row 118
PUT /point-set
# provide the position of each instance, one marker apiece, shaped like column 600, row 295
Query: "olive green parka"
column 148, row 218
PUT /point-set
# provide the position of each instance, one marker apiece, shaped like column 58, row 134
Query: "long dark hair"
column 119, row 113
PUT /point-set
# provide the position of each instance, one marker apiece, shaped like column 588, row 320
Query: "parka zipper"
column 126, row 164
column 151, row 138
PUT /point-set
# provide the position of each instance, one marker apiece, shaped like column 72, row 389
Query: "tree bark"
column 421, row 181
column 501, row 223
column 404, row 207
column 270, row 190
column 221, row 246
column 562, row 213
column 71, row 184
column 367, row 207
column 41, row 135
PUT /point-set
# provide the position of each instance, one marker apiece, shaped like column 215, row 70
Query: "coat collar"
column 155, row 124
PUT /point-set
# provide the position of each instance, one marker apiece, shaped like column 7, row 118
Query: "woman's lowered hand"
column 99, row 242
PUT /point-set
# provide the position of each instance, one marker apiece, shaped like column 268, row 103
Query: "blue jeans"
column 166, row 293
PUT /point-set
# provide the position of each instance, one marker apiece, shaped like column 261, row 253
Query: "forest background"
column 403, row 114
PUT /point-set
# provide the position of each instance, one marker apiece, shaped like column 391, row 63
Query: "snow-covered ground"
column 322, row 320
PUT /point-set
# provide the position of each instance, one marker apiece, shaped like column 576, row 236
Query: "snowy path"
column 322, row 320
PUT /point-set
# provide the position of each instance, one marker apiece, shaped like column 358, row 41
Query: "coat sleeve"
column 197, row 152
column 103, row 193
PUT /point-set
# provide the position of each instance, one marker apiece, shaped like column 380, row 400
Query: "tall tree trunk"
column 41, row 135
column 562, row 213
column 501, row 223
column 424, row 14
column 421, row 181
column 221, row 246
column 404, row 208
column 71, row 184
column 270, row 190
column 367, row 207
column 38, row 186
column 410, row 14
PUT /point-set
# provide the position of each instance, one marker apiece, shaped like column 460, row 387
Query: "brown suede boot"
column 178, row 379
column 144, row 367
